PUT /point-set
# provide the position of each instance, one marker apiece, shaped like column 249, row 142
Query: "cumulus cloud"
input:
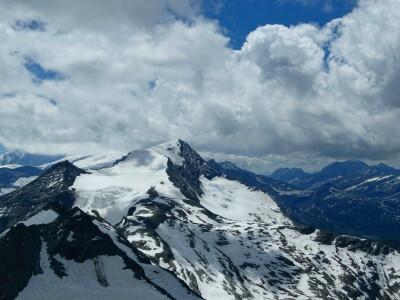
column 138, row 73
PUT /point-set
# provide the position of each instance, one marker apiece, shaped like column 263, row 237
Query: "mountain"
column 364, row 205
column 90, row 161
column 12, row 178
column 290, row 175
column 67, row 254
column 332, row 172
column 21, row 168
column 27, row 159
column 281, row 192
column 53, row 185
column 227, row 165
column 193, row 223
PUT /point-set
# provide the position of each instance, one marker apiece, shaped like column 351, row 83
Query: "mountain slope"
column 12, row 178
column 290, row 175
column 168, row 207
column 226, row 240
column 331, row 172
column 67, row 254
column 90, row 161
column 53, row 185
column 366, row 205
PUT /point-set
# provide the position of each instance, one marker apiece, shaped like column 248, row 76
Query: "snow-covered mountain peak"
column 171, row 150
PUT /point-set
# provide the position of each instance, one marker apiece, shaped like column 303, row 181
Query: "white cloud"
column 138, row 73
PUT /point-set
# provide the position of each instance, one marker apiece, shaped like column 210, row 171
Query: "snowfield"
column 112, row 191
column 43, row 217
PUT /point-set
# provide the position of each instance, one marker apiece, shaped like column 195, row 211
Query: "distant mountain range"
column 27, row 159
column 332, row 172
column 344, row 197
column 162, row 223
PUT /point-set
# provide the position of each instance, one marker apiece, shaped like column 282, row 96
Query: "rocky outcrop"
column 53, row 185
column 187, row 176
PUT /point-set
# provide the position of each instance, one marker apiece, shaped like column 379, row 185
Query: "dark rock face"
column 20, row 259
column 160, row 213
column 88, row 242
column 51, row 186
column 187, row 177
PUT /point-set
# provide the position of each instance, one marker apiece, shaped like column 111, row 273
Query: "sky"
column 240, row 17
column 261, row 83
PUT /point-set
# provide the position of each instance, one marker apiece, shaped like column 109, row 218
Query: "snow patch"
column 233, row 200
column 92, row 161
column 70, row 236
column 4, row 191
column 11, row 166
column 42, row 217
column 170, row 150
column 112, row 191
column 22, row 181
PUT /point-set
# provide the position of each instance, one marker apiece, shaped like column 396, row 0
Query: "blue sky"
column 240, row 17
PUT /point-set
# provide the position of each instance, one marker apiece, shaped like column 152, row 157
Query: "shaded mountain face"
column 198, row 227
column 14, row 178
column 290, row 175
column 365, row 205
column 332, row 172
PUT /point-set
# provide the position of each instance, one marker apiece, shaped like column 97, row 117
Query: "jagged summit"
column 63, row 166
column 52, row 185
column 172, row 150
column 178, row 151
